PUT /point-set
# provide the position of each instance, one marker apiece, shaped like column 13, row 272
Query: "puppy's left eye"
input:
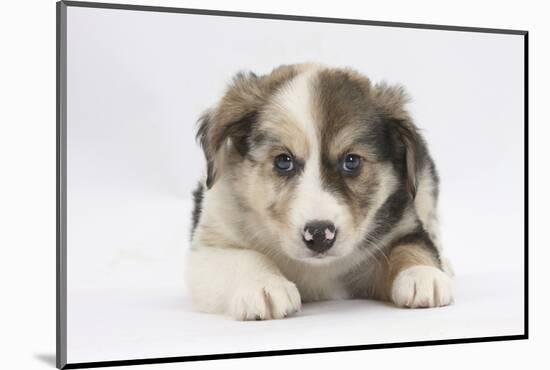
column 351, row 164
column 284, row 163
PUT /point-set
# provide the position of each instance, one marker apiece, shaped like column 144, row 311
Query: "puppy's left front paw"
column 422, row 286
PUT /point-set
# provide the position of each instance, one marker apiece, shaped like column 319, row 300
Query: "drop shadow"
column 47, row 358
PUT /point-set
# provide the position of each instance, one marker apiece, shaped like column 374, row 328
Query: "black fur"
column 198, row 195
column 204, row 124
column 388, row 216
column 240, row 132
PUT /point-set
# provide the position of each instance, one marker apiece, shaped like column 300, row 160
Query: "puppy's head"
column 311, row 154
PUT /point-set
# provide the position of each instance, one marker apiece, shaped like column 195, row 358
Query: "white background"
column 137, row 81
column 28, row 156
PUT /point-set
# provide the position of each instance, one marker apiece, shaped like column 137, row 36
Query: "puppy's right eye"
column 284, row 163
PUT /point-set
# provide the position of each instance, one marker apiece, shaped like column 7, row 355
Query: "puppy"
column 319, row 186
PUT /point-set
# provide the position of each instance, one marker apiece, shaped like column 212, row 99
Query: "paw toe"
column 272, row 300
column 422, row 286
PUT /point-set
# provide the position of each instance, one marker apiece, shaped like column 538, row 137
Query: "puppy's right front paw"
column 274, row 298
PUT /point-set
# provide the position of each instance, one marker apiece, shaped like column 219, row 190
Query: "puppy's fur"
column 250, row 257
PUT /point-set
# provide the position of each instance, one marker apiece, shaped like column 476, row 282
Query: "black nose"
column 319, row 235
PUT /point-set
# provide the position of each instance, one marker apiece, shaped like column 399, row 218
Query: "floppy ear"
column 409, row 147
column 231, row 121
column 234, row 118
column 409, row 139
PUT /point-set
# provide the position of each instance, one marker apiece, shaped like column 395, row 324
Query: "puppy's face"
column 313, row 160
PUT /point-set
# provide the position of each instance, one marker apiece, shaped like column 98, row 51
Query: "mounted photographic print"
column 239, row 184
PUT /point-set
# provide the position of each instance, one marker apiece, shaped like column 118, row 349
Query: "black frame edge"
column 287, row 17
column 61, row 182
column 222, row 356
column 526, row 182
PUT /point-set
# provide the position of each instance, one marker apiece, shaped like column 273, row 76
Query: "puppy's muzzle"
column 319, row 236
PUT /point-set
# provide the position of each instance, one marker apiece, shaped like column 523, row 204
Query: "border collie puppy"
column 319, row 186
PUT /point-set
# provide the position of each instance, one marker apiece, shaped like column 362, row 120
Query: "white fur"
column 311, row 202
column 426, row 209
column 241, row 283
column 422, row 286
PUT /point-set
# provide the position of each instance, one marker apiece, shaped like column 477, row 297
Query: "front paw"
column 422, row 286
column 273, row 298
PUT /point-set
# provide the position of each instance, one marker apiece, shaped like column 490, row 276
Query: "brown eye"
column 284, row 163
column 351, row 164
